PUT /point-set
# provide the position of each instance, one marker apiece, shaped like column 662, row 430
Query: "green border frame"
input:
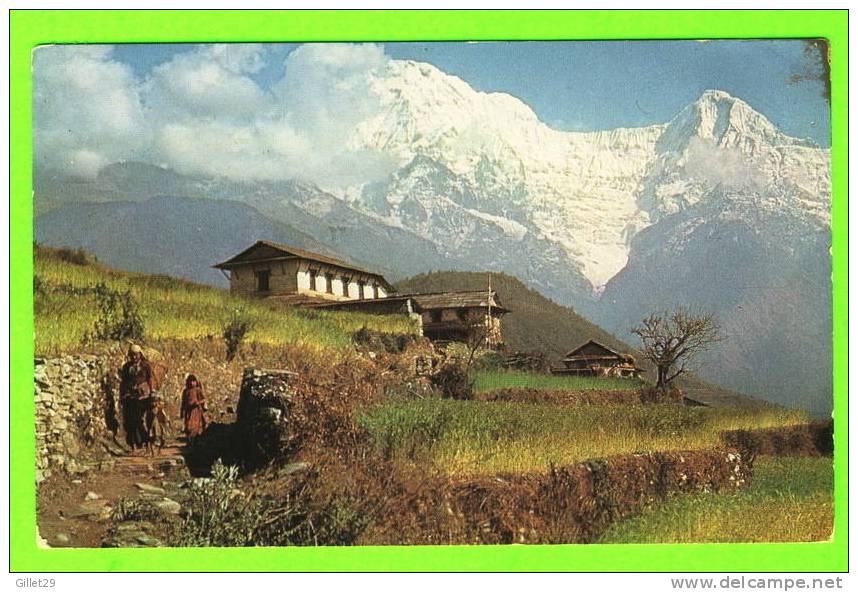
column 31, row 28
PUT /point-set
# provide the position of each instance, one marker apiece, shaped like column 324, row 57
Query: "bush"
column 119, row 315
column 235, row 331
column 74, row 256
column 218, row 513
column 454, row 382
column 489, row 360
column 135, row 509
column 392, row 343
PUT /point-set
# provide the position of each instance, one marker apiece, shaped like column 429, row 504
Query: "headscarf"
column 190, row 378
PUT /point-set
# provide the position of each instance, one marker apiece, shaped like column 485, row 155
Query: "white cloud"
column 87, row 109
column 324, row 95
column 210, row 82
column 718, row 165
column 202, row 112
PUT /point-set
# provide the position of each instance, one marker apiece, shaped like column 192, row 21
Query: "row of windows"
column 329, row 285
column 263, row 283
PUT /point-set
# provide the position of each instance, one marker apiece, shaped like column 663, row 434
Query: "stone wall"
column 809, row 439
column 262, row 423
column 570, row 504
column 75, row 413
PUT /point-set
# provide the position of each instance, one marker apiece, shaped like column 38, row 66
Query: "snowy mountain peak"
column 723, row 120
column 467, row 159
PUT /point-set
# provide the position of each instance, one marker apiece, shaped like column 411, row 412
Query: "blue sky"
column 587, row 86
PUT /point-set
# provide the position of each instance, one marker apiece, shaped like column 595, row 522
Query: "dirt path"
column 76, row 512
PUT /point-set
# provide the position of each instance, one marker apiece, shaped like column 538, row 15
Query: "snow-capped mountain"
column 613, row 223
column 588, row 193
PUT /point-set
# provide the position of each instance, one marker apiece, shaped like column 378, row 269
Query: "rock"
column 292, row 468
column 147, row 540
column 130, row 534
column 134, row 526
column 94, row 511
column 63, row 538
column 168, row 506
column 145, row 487
column 91, row 495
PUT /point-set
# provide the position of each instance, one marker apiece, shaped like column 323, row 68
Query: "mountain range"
column 715, row 209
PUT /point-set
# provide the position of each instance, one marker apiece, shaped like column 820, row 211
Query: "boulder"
column 146, row 488
column 262, row 423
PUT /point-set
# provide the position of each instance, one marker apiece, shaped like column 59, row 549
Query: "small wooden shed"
column 595, row 359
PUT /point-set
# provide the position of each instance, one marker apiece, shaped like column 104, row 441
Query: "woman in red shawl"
column 193, row 406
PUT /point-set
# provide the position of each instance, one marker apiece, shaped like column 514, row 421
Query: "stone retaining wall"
column 810, row 439
column 75, row 413
column 571, row 504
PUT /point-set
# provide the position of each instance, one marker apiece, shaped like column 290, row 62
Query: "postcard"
column 522, row 291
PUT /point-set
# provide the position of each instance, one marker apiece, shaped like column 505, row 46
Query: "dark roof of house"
column 607, row 350
column 464, row 299
column 363, row 303
column 290, row 252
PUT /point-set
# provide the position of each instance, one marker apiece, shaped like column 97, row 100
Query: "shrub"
column 135, row 509
column 74, row 256
column 119, row 315
column 392, row 343
column 454, row 382
column 235, row 331
column 218, row 513
column 489, row 360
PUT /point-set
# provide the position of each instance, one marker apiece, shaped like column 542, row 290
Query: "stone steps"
column 166, row 460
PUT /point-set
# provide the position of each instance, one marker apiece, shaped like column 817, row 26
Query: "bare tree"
column 671, row 339
column 477, row 336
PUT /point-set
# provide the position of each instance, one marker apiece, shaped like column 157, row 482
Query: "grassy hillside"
column 535, row 324
column 66, row 308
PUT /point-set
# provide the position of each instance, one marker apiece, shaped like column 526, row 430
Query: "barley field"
column 789, row 500
column 481, row 438
column 66, row 308
column 490, row 380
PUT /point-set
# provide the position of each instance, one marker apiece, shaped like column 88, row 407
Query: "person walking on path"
column 193, row 408
column 135, row 387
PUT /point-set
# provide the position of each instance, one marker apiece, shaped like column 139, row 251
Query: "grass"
column 65, row 309
column 790, row 499
column 490, row 380
column 477, row 438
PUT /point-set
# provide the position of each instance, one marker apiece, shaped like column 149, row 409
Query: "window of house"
column 262, row 280
column 435, row 315
column 375, row 290
column 462, row 314
column 361, row 286
column 346, row 281
column 313, row 276
column 329, row 283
